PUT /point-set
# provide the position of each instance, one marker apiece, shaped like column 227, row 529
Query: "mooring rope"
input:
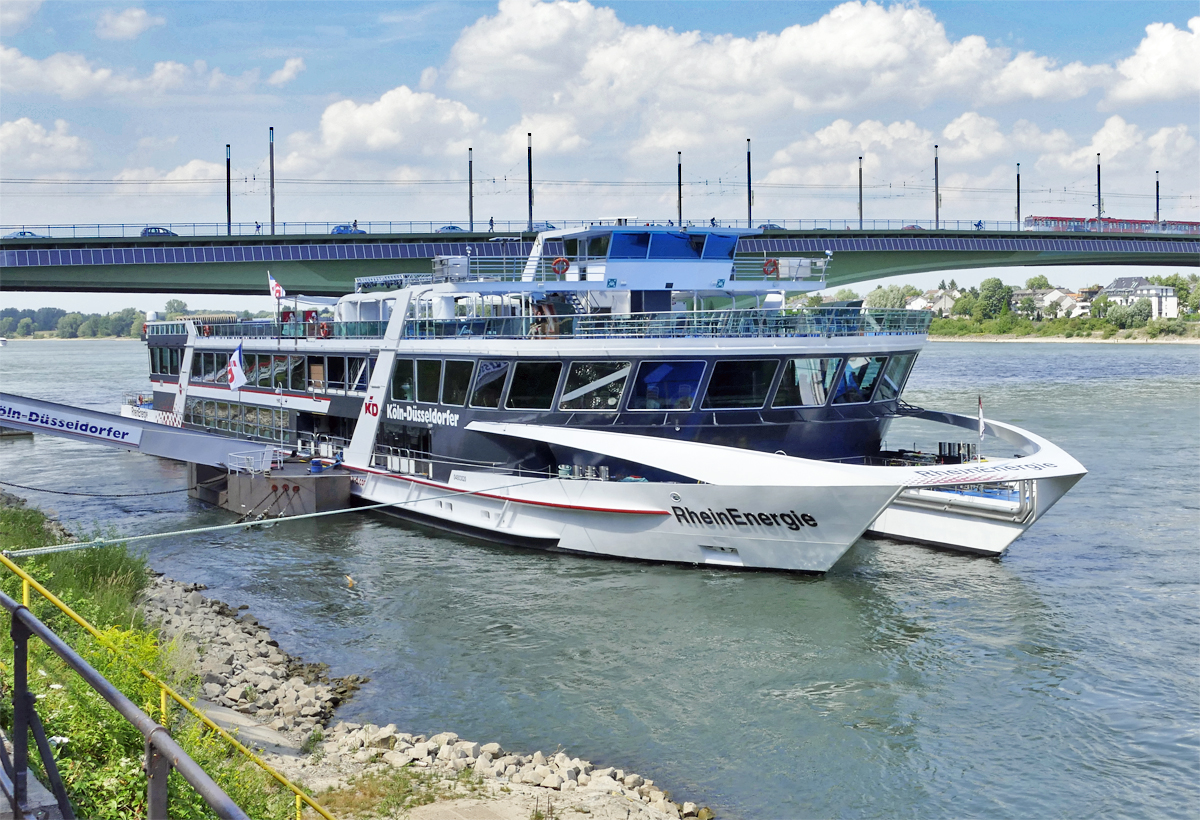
column 108, row 542
column 91, row 495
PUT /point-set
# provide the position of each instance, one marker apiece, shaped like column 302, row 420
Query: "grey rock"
column 539, row 759
column 552, row 781
column 492, row 748
column 690, row 809
column 633, row 781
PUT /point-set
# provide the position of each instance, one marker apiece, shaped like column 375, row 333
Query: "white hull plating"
column 794, row 528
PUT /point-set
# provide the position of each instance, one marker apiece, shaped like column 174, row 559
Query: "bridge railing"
column 450, row 229
column 819, row 322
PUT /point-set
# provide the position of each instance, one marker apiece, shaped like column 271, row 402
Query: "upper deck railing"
column 799, row 322
column 764, row 323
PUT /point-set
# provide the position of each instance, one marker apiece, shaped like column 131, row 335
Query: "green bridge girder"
column 858, row 256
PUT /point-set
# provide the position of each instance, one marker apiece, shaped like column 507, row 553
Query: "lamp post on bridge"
column 1018, row 196
column 529, row 166
column 749, row 190
column 679, row 186
column 272, row 130
column 471, row 189
column 1099, row 199
column 860, row 193
column 1156, row 219
column 937, row 197
column 228, row 195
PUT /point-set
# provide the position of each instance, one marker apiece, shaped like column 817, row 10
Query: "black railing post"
column 158, row 767
column 20, row 700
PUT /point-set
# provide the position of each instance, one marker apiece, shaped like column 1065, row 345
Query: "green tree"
column 68, row 326
column 1027, row 308
column 1051, row 310
column 7, row 326
column 994, row 295
column 893, row 296
column 942, row 285
column 814, row 301
column 89, row 328
column 952, row 285
column 25, row 327
column 1039, row 282
column 845, row 295
column 1140, row 312
column 1100, row 306
column 47, row 318
column 963, row 305
column 175, row 306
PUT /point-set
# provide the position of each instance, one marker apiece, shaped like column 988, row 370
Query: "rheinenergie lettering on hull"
column 732, row 517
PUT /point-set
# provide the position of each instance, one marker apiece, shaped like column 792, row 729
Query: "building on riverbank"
column 1164, row 304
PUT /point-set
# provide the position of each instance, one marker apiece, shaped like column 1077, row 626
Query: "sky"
column 120, row 113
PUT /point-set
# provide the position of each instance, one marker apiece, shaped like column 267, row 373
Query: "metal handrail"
column 162, row 752
column 165, row 692
column 799, row 322
column 324, row 329
column 219, row 229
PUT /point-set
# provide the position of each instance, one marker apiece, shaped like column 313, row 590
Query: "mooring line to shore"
column 91, row 495
column 108, row 542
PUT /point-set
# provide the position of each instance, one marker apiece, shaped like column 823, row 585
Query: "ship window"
column 859, row 379
column 263, row 371
column 197, row 365
column 533, row 385
column 154, row 360
column 594, row 386
column 176, row 360
column 402, row 380
column 210, row 413
column 894, row 376
column 720, row 247
column 298, row 379
column 489, row 384
column 597, row 246
column 429, row 379
column 740, row 384
column 358, row 375
column 806, row 382
column 456, row 381
column 316, row 373
column 336, row 372
column 279, row 375
column 676, row 246
column 666, row 385
column 629, row 246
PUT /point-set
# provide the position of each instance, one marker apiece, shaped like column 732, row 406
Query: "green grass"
column 100, row 761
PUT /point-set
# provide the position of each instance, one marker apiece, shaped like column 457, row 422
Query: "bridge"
column 323, row 264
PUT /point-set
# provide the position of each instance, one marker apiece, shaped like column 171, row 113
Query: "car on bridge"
column 24, row 235
column 348, row 229
column 770, row 226
column 449, row 229
column 151, row 230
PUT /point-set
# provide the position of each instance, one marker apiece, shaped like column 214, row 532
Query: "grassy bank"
column 99, row 754
column 1008, row 326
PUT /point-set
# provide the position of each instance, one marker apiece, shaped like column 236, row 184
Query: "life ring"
column 323, row 330
column 560, row 265
column 206, row 330
column 771, row 268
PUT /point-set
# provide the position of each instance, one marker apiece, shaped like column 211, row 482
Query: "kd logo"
column 371, row 407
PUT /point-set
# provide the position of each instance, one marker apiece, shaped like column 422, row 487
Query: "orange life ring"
column 771, row 268
column 323, row 330
column 560, row 265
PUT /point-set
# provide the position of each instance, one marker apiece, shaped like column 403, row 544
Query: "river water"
column 1062, row 680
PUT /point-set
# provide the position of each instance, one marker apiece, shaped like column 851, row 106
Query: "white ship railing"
column 255, row 461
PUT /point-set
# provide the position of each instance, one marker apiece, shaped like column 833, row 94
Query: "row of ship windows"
column 239, row 419
column 293, row 373
column 657, row 385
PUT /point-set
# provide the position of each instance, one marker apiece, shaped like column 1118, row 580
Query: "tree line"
column 65, row 325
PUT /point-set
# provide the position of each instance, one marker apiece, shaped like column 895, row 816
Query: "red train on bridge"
column 1108, row 225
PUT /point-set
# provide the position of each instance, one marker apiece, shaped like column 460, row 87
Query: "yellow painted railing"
column 166, row 693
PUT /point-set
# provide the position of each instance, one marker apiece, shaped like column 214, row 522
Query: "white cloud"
column 15, row 14
column 27, row 145
column 1166, row 65
column 428, row 78
column 71, row 76
column 291, row 69
column 402, row 122
column 127, row 25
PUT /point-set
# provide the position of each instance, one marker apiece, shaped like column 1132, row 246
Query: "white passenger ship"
column 636, row 392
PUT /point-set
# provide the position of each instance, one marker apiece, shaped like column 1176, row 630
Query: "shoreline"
column 1167, row 340
column 283, row 706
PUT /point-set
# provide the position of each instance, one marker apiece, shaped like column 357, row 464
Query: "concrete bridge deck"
column 328, row 264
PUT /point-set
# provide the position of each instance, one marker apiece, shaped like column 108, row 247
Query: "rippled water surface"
column 1060, row 681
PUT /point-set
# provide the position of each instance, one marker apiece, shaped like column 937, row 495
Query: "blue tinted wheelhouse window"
column 629, row 246
column 676, row 246
column 720, row 247
column 666, row 385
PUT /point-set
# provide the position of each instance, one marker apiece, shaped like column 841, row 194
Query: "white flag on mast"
column 236, row 370
column 276, row 289
column 981, row 418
